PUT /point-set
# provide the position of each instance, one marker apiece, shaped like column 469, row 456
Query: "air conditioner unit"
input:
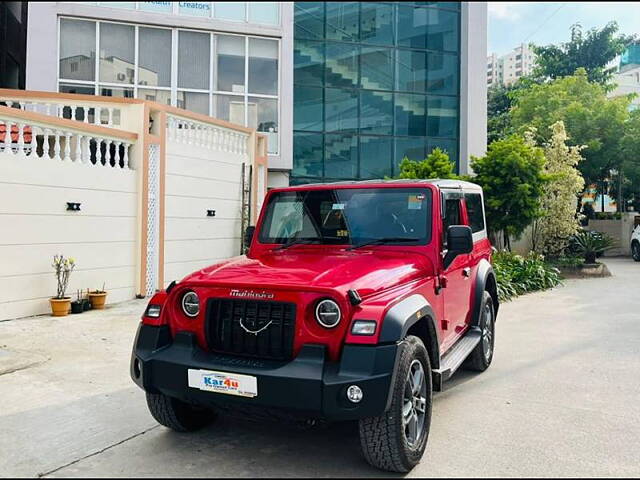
column 143, row 82
column 121, row 77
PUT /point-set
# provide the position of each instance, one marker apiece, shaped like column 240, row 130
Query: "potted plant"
column 62, row 267
column 591, row 245
column 86, row 303
column 78, row 305
column 98, row 298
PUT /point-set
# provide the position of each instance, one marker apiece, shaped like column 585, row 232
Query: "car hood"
column 368, row 271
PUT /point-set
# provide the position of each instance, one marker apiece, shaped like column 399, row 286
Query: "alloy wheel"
column 414, row 404
column 487, row 332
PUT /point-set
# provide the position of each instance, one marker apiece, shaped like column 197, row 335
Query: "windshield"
column 349, row 216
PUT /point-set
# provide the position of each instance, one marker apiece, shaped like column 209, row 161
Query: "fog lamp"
column 354, row 394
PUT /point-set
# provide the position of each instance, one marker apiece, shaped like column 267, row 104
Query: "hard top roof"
column 440, row 183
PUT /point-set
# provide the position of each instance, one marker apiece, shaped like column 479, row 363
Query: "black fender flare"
column 485, row 280
column 403, row 315
column 398, row 321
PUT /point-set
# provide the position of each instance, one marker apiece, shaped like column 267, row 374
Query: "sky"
column 543, row 23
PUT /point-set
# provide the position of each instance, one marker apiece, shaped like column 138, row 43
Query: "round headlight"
column 191, row 304
column 328, row 313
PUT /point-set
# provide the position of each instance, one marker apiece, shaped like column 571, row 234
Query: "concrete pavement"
column 562, row 398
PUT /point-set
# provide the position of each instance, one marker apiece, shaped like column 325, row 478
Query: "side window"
column 474, row 210
column 452, row 213
column 451, row 216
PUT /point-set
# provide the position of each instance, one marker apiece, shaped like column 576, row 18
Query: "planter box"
column 587, row 270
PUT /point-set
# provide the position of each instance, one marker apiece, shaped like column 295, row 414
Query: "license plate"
column 223, row 382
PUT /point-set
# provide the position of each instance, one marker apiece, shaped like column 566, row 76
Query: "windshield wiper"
column 297, row 241
column 379, row 241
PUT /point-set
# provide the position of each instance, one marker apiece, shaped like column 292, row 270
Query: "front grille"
column 224, row 332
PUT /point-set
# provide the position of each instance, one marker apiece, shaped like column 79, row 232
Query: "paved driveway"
column 562, row 398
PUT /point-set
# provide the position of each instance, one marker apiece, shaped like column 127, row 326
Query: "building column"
column 473, row 83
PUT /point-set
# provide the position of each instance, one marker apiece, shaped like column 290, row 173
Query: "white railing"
column 23, row 136
column 87, row 112
column 208, row 135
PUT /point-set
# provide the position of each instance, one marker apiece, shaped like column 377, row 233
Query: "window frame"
column 174, row 89
column 480, row 234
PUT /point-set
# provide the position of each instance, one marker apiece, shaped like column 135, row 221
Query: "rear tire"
column 395, row 441
column 481, row 356
column 635, row 251
column 178, row 415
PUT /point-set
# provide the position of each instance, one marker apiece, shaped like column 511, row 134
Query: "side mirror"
column 459, row 242
column 248, row 236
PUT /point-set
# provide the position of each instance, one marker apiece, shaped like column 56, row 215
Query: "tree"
column 498, row 106
column 500, row 99
column 631, row 162
column 551, row 232
column 436, row 165
column 590, row 118
column 592, row 52
column 511, row 175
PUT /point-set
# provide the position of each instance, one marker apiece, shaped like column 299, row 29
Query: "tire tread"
column 381, row 438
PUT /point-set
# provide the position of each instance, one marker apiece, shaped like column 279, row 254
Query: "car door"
column 457, row 275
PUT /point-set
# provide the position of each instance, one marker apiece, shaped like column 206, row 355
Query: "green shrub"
column 566, row 261
column 591, row 244
column 607, row 215
column 517, row 274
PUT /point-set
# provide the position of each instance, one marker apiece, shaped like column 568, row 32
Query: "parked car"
column 355, row 301
column 635, row 243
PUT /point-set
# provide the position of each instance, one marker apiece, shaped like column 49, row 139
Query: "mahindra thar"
column 354, row 301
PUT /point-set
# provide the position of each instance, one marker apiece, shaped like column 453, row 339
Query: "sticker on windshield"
column 338, row 206
column 342, row 233
column 415, row 202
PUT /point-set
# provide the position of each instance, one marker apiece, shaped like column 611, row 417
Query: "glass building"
column 373, row 83
column 342, row 90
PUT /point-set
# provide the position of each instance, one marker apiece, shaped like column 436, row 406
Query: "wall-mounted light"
column 73, row 206
column 211, row 213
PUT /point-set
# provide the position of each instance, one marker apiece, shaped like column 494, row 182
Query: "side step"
column 457, row 354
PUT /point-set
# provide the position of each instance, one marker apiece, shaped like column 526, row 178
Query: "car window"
column 350, row 215
column 474, row 211
column 452, row 216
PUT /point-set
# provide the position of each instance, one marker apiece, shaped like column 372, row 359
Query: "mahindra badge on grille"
column 251, row 294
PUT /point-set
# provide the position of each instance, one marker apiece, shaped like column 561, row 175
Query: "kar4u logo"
column 227, row 382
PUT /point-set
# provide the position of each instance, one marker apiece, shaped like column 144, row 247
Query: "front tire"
column 395, row 441
column 635, row 251
column 177, row 415
column 481, row 356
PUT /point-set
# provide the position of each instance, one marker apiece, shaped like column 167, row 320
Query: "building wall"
column 374, row 83
column 101, row 237
column 457, row 123
column 627, row 82
column 507, row 69
column 42, row 59
column 196, row 183
column 13, row 36
column 473, row 91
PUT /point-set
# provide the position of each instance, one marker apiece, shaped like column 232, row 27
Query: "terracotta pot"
column 60, row 306
column 97, row 300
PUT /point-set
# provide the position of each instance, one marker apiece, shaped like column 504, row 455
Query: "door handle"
column 466, row 272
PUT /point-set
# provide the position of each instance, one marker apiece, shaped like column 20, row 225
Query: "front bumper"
column 308, row 386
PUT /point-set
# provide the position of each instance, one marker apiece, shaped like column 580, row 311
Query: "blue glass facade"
column 373, row 83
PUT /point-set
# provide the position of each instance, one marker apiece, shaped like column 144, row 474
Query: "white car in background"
column 635, row 244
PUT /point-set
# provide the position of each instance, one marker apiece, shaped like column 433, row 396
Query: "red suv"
column 355, row 301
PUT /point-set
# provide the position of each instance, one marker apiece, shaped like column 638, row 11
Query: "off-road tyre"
column 479, row 359
column 383, row 438
column 177, row 415
column 635, row 250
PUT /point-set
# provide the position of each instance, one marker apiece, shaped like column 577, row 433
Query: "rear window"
column 474, row 209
